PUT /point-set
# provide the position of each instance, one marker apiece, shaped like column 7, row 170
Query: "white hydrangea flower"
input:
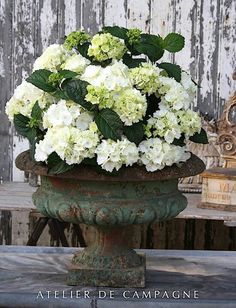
column 93, row 74
column 24, row 98
column 45, row 147
column 113, row 154
column 130, row 105
column 116, row 76
column 52, row 58
column 189, row 121
column 84, row 144
column 84, row 120
column 146, row 78
column 156, row 154
column 56, row 139
column 173, row 95
column 112, row 77
column 164, row 124
column 105, row 46
column 70, row 143
column 76, row 63
column 61, row 114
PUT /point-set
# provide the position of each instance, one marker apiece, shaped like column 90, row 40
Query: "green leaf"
column 76, row 90
column 200, row 137
column 155, row 40
column 180, row 142
column 172, row 70
column 90, row 161
column 116, row 31
column 83, row 50
column 33, row 146
column 150, row 45
column 109, row 124
column 154, row 52
column 36, row 112
column 134, row 132
column 173, row 42
column 61, row 167
column 130, row 62
column 60, row 94
column 21, row 123
column 39, row 79
column 67, row 74
column 53, row 159
column 153, row 105
column 56, row 165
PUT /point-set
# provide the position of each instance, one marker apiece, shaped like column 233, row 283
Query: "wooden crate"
column 219, row 189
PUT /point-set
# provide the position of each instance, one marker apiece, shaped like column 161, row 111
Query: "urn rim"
column 193, row 166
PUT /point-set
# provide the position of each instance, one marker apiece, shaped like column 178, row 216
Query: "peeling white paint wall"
column 27, row 27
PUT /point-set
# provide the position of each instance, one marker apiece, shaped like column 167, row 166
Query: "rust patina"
column 110, row 203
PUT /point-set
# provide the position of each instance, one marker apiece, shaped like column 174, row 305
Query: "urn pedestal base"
column 109, row 262
column 133, row 277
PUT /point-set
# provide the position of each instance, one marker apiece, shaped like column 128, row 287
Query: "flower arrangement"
column 107, row 100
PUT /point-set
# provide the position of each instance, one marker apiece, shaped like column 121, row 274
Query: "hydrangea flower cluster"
column 92, row 98
column 71, row 133
column 146, row 78
column 113, row 154
column 105, row 46
column 52, row 58
column 24, row 98
column 156, row 154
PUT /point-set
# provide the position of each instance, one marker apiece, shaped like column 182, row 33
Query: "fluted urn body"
column 110, row 203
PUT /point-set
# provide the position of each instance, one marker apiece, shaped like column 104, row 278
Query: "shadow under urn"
column 110, row 203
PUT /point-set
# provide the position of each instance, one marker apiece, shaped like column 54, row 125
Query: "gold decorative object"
column 227, row 133
column 219, row 184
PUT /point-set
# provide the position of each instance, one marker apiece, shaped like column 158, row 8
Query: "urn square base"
column 100, row 277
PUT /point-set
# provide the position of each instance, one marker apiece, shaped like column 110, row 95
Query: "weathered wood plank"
column 162, row 21
column 72, row 15
column 22, row 60
column 139, row 16
column 5, row 86
column 208, row 62
column 227, row 53
column 115, row 13
column 92, row 15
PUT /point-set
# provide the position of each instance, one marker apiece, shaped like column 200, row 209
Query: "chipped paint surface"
column 27, row 27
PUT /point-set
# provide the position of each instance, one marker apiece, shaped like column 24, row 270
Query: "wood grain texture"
column 27, row 27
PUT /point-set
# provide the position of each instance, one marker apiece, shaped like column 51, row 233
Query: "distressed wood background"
column 27, row 27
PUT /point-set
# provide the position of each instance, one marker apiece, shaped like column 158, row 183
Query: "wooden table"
column 35, row 277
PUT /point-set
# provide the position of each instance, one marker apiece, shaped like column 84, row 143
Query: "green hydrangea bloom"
column 99, row 96
column 75, row 39
column 55, row 79
column 145, row 78
column 189, row 121
column 131, row 106
column 106, row 46
column 133, row 35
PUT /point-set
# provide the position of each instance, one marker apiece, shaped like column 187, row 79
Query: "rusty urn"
column 109, row 203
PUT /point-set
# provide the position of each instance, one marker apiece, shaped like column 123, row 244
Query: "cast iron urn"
column 110, row 203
